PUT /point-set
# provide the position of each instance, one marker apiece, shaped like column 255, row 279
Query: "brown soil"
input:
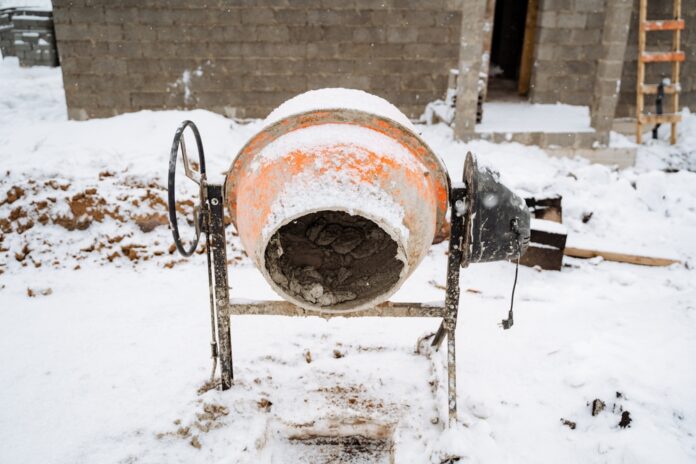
column 333, row 259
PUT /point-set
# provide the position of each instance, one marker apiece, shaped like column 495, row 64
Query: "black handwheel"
column 179, row 140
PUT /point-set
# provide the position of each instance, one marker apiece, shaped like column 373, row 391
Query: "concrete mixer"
column 336, row 201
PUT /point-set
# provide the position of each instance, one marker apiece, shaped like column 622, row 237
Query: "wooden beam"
column 651, row 89
column 662, row 57
column 527, row 59
column 666, row 25
column 619, row 257
column 667, row 118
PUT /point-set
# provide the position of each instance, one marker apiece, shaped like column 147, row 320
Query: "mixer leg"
column 225, row 341
column 220, row 287
column 449, row 324
column 451, row 374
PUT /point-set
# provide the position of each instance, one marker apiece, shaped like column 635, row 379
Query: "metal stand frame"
column 210, row 219
column 224, row 308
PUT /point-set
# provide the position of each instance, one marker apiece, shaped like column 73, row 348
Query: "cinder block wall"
column 653, row 71
column 28, row 34
column 243, row 58
column 568, row 44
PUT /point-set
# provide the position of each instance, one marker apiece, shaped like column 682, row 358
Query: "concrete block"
column 278, row 66
column 369, row 34
column 330, row 66
column 402, row 35
column 276, row 33
column 589, row 6
column 434, row 35
column 585, row 37
column 558, row 5
column 447, row 18
column 157, row 17
column 563, row 139
column 323, row 50
column 547, row 19
column 114, row 49
column 585, row 140
column 82, row 14
column 104, row 32
column 305, row 34
column 421, row 19
column 595, row 20
column 291, row 17
column 418, row 82
column 619, row 157
column 114, row 15
column 338, row 17
column 258, row 16
column 338, row 33
column 571, row 20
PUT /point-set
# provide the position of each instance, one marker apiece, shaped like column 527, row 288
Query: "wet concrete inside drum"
column 333, row 259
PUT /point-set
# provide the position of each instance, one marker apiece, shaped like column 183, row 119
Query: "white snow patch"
column 534, row 117
column 333, row 98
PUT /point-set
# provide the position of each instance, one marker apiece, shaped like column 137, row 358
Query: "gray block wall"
column 6, row 35
column 242, row 58
column 568, row 45
column 29, row 35
column 653, row 71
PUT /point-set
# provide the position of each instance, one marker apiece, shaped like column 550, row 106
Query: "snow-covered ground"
column 103, row 364
column 534, row 117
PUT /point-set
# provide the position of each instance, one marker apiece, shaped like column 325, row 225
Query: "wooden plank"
column 527, row 59
column 662, row 57
column 651, row 89
column 666, row 25
column 667, row 118
column 619, row 257
column 546, row 257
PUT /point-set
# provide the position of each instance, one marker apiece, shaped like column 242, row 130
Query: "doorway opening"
column 511, row 50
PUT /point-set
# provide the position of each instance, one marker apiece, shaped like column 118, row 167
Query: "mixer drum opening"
column 333, row 259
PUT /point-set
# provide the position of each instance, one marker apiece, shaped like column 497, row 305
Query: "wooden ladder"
column 676, row 56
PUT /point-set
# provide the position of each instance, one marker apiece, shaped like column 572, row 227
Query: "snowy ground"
column 534, row 117
column 105, row 361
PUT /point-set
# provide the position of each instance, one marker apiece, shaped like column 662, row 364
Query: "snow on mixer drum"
column 337, row 200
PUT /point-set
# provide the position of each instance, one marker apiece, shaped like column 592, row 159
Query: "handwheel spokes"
column 188, row 170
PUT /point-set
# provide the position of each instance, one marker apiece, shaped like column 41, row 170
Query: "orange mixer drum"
column 336, row 200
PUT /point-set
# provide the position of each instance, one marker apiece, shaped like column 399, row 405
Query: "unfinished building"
column 242, row 59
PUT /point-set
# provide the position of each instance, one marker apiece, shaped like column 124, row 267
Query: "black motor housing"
column 496, row 220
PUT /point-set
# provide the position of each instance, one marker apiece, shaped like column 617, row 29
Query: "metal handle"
column 189, row 172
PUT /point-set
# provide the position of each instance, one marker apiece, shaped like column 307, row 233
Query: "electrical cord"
column 507, row 323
